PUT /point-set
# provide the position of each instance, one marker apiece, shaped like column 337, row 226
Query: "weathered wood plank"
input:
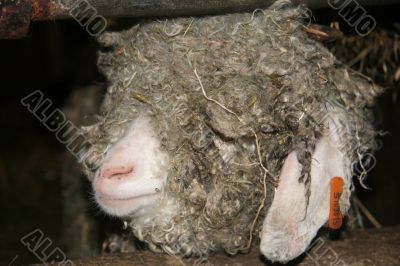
column 362, row 248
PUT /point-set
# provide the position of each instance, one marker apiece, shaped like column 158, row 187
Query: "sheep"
column 220, row 132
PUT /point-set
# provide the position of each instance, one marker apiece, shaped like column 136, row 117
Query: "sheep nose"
column 116, row 172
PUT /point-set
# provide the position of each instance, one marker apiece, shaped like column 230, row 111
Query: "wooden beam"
column 365, row 247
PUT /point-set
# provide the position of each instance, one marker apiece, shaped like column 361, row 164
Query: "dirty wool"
column 229, row 96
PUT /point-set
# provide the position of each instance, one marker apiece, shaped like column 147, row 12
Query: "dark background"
column 58, row 58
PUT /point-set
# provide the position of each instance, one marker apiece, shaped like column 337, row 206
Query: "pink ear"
column 289, row 192
column 289, row 226
column 280, row 240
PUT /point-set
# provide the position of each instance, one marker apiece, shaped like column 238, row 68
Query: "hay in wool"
column 229, row 96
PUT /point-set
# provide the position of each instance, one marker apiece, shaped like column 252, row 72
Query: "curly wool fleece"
column 230, row 96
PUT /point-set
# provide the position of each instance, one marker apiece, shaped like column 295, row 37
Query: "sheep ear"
column 290, row 225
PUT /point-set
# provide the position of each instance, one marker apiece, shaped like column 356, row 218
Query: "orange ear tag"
column 335, row 215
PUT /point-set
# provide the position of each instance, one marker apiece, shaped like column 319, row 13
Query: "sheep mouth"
column 107, row 199
column 126, row 206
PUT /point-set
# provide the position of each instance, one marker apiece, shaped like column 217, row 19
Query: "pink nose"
column 116, row 172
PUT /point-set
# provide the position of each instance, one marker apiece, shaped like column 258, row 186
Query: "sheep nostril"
column 116, row 172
